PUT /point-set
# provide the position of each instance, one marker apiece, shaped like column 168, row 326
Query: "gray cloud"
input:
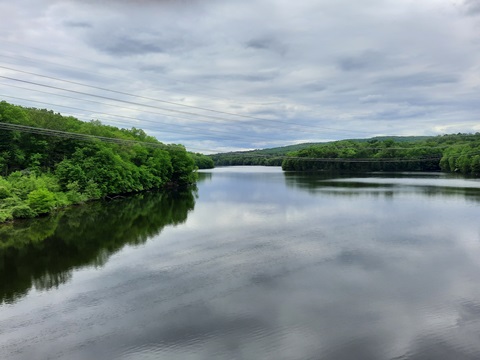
column 78, row 24
column 259, row 44
column 315, row 87
column 270, row 44
column 129, row 46
column 422, row 79
column 317, row 62
column 136, row 42
column 153, row 68
column 240, row 77
column 472, row 7
column 363, row 61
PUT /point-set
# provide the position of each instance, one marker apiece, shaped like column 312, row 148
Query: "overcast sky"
column 221, row 75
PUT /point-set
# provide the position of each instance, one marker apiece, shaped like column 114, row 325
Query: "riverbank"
column 49, row 161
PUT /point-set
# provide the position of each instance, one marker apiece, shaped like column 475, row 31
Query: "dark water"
column 256, row 264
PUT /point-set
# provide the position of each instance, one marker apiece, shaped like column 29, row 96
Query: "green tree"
column 41, row 201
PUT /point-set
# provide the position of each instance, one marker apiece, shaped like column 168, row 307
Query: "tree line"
column 265, row 157
column 39, row 173
column 451, row 153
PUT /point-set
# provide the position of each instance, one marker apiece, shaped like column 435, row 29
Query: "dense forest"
column 275, row 156
column 265, row 157
column 451, row 153
column 202, row 161
column 48, row 161
column 75, row 161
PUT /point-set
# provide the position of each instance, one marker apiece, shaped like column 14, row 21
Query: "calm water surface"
column 255, row 264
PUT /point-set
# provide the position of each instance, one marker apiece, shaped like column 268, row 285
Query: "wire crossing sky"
column 237, row 75
column 88, row 137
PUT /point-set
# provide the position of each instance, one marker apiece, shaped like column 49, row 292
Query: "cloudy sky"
column 222, row 75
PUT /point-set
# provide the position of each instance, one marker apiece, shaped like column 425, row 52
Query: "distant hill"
column 274, row 156
column 394, row 138
column 450, row 153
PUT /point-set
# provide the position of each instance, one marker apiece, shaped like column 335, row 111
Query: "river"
column 253, row 264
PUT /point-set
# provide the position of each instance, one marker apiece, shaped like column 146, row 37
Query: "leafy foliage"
column 23, row 211
column 43, row 172
column 202, row 161
column 275, row 156
column 451, row 153
column 41, row 201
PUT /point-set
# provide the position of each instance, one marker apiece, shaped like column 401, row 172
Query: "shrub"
column 10, row 202
column 41, row 201
column 23, row 211
column 62, row 199
column 5, row 215
column 4, row 192
column 22, row 185
column 47, row 181
column 74, row 197
column 92, row 191
column 476, row 165
column 74, row 194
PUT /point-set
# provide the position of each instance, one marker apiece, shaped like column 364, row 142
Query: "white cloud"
column 332, row 69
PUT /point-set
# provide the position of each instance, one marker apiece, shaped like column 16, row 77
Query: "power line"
column 158, row 100
column 37, row 60
column 228, row 134
column 107, row 98
column 75, row 136
column 346, row 160
column 242, row 153
column 75, row 108
column 80, row 136
column 100, row 103
column 138, row 96
column 130, row 102
column 124, row 107
column 117, row 67
column 139, row 104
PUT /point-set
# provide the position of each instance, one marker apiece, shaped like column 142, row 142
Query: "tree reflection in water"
column 42, row 253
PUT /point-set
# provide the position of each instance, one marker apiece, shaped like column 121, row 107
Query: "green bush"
column 10, row 202
column 5, row 215
column 47, row 181
column 4, row 192
column 61, row 199
column 42, row 201
column 23, row 211
column 476, row 165
column 74, row 197
column 22, row 185
column 92, row 191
